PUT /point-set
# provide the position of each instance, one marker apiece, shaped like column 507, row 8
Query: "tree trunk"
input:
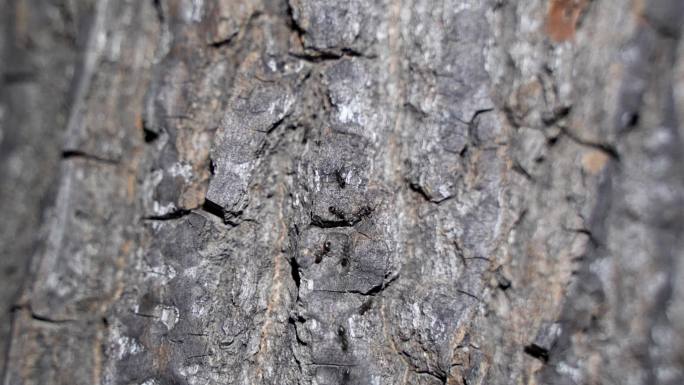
column 342, row 192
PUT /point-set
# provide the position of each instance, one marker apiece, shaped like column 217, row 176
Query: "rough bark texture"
column 342, row 192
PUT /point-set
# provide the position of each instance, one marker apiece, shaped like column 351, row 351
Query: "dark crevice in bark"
column 384, row 285
column 537, row 352
column 324, row 56
column 208, row 207
column 441, row 377
column 517, row 167
column 222, row 43
column 175, row 214
column 372, row 292
column 231, row 215
column 293, row 324
column 415, row 187
column 315, row 58
column 138, row 314
column 594, row 241
column 609, row 149
column 472, row 127
column 294, row 272
column 292, row 23
column 149, row 135
column 213, row 208
column 226, row 217
column 471, row 295
column 16, row 77
column 38, row 317
column 159, row 9
column 212, row 168
column 333, row 364
column 312, row 55
column 553, row 117
column 71, row 154
column 275, row 125
column 503, row 282
column 292, row 321
column 343, row 219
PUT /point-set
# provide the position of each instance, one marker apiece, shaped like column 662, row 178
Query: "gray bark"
column 342, row 192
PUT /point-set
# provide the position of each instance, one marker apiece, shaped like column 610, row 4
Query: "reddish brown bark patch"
column 561, row 21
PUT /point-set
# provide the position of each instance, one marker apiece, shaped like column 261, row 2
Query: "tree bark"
column 342, row 192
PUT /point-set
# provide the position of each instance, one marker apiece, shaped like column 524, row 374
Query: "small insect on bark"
column 327, row 245
column 342, row 338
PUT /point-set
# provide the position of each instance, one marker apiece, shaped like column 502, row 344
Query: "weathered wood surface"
column 342, row 192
